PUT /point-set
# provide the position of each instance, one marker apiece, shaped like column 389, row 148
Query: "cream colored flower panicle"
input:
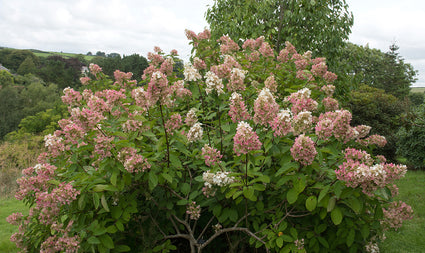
column 191, row 73
column 213, row 82
column 195, row 132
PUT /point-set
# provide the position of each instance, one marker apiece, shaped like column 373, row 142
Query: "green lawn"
column 7, row 207
column 418, row 89
column 410, row 238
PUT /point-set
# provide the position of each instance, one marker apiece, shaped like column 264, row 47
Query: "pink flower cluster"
column 64, row 243
column 265, row 108
column 211, row 155
column 302, row 123
column 358, row 170
column 123, row 79
column 95, row 69
column 228, row 45
column 236, row 82
column 103, row 146
column 304, row 150
column 237, row 108
column 301, row 101
column 336, row 123
column 281, row 124
column 173, row 123
column 71, row 97
column 133, row 162
column 395, row 214
column 245, row 139
column 194, row 211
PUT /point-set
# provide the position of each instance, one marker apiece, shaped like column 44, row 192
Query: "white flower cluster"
column 284, row 115
column 220, row 179
column 372, row 247
column 50, row 140
column 375, row 171
column 237, row 72
column 213, row 82
column 243, row 127
column 191, row 117
column 195, row 132
column 191, row 73
column 304, row 93
column 235, row 96
column 302, row 122
column 265, row 96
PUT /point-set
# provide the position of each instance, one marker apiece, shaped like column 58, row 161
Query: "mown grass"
column 410, row 238
column 7, row 207
column 418, row 89
column 64, row 55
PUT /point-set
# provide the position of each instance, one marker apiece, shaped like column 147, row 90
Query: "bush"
column 411, row 139
column 249, row 151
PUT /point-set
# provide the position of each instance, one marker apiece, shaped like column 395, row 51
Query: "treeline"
column 31, row 87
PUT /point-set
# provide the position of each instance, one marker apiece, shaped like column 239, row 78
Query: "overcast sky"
column 136, row 26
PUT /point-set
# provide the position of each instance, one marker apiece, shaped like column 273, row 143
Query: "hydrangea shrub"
column 246, row 149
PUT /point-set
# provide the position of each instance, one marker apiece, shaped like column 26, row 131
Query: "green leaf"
column 292, row 195
column 104, row 202
column 167, row 177
column 185, row 188
column 287, row 238
column 355, row 204
column 248, row 192
column 122, row 248
column 311, row 203
column 96, row 200
column 114, row 178
column 116, row 212
column 299, row 184
column 93, row 240
column 350, row 237
column 233, row 215
column 323, row 193
column 323, row 242
column 259, row 187
column 331, row 204
column 365, row 231
column 279, row 242
column 81, row 201
column 104, row 187
column 106, row 241
column 153, row 180
column 336, row 216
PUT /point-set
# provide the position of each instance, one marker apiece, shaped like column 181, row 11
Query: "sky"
column 136, row 26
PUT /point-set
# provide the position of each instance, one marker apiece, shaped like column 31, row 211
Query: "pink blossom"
column 395, row 214
column 133, row 162
column 245, row 139
column 173, row 123
column 302, row 123
column 194, row 211
column 270, row 83
column 103, row 146
column 71, row 97
column 283, row 55
column 319, row 69
column 266, row 50
column 211, row 155
column 330, row 77
column 328, row 90
column 85, row 80
column 95, row 69
column 305, row 75
column 265, row 108
column 281, row 124
column 228, row 45
column 237, row 108
column 303, row 150
column 330, row 104
column 236, row 81
column 199, row 64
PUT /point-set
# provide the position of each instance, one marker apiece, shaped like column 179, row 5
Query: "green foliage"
column 411, row 139
column 31, row 96
column 5, row 78
column 386, row 71
column 12, row 58
column 318, row 26
column 27, row 67
column 123, row 175
column 380, row 110
column 14, row 157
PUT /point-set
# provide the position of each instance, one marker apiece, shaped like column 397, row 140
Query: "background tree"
column 370, row 66
column 12, row 59
column 319, row 26
column 27, row 67
column 411, row 139
column 382, row 111
column 5, row 78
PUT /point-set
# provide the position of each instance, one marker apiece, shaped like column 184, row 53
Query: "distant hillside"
column 41, row 53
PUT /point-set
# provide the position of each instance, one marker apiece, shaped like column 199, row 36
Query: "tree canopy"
column 319, row 26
